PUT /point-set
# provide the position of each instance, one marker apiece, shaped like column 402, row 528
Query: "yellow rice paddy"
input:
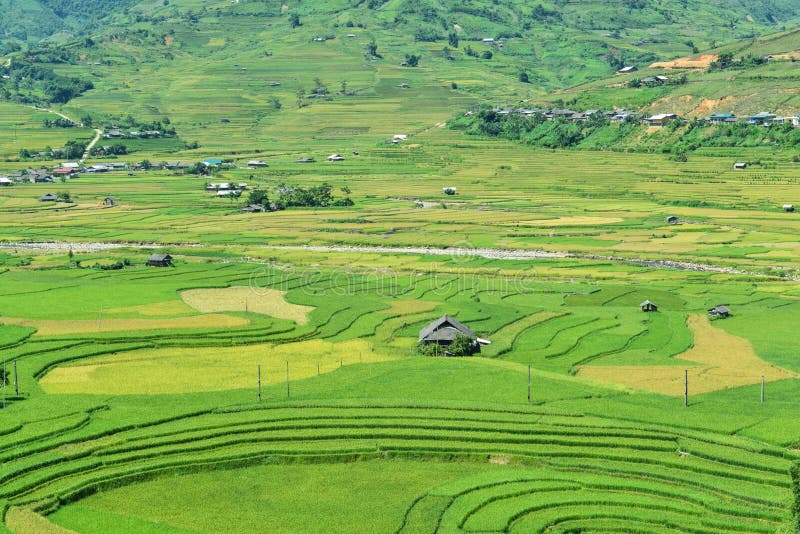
column 257, row 300
column 725, row 361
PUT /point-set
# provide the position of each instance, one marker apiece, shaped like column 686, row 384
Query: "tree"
column 344, row 87
column 463, row 346
column 452, row 39
column 372, row 48
column 294, row 20
column 487, row 54
column 446, row 53
column 412, row 60
column 301, row 95
column 64, row 196
column 523, row 77
column 319, row 87
column 258, row 197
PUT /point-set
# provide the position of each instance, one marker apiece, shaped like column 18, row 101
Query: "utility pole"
column 529, row 384
column 259, row 383
column 16, row 379
column 4, row 384
column 287, row 380
column 685, row 388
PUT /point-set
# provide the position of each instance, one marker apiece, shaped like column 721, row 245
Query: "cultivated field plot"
column 125, row 413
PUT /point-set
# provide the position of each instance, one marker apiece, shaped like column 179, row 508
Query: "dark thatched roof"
column 445, row 328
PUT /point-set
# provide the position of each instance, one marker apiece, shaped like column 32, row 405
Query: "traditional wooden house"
column 444, row 330
column 648, row 306
column 159, row 260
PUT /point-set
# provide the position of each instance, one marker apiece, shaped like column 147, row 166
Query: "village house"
column 109, row 201
column 788, row 208
column 48, row 197
column 5, row 181
column 444, row 330
column 648, row 306
column 256, row 163
column 762, row 118
column 739, row 165
column 661, row 119
column 159, row 260
column 721, row 118
column 718, row 312
column 335, row 157
column 253, row 208
column 627, row 70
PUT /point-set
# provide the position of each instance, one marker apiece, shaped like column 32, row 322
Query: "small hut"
column 672, row 219
column 739, row 165
column 48, row 197
column 159, row 260
column 719, row 312
column 648, row 306
column 109, row 201
column 788, row 208
column 444, row 330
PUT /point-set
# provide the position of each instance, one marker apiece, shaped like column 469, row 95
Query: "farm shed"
column 109, row 201
column 445, row 329
column 335, row 157
column 304, row 160
column 48, row 197
column 256, row 163
column 5, row 181
column 740, row 165
column 788, row 207
column 719, row 311
column 672, row 219
column 627, row 70
column 159, row 260
column 648, row 306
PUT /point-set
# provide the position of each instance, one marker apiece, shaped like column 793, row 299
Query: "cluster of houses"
column 225, row 189
column 764, row 118
column 67, row 169
column 616, row 115
column 132, row 134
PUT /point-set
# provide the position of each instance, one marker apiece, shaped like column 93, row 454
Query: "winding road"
column 97, row 131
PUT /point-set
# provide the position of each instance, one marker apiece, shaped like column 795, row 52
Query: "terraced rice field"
column 521, row 469
column 465, row 449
